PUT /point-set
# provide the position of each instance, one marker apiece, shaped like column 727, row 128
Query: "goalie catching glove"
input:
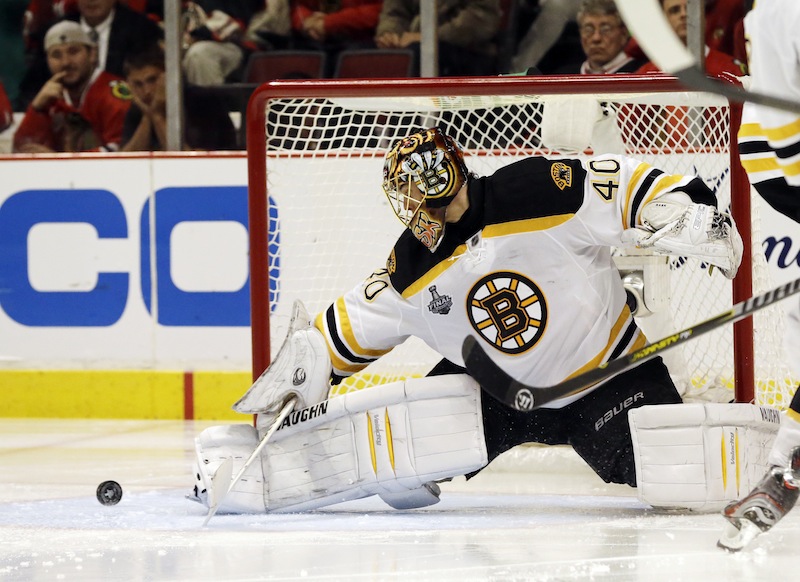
column 301, row 369
column 673, row 225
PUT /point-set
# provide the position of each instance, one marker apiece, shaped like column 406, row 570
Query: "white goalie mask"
column 422, row 174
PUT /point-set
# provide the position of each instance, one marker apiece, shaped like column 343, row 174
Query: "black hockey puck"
column 109, row 493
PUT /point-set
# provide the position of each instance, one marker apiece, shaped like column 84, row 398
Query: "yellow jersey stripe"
column 615, row 335
column 491, row 231
column 780, row 133
column 336, row 362
column 638, row 175
column 422, row 283
column 347, row 333
column 526, row 225
column 754, row 166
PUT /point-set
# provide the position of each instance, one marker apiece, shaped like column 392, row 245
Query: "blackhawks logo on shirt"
column 120, row 90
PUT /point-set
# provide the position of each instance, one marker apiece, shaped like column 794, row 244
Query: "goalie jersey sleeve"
column 769, row 139
column 527, row 269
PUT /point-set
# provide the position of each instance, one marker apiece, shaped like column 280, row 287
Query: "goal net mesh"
column 330, row 227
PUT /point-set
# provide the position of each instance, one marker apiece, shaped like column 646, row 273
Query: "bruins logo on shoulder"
column 561, row 174
column 120, row 90
column 507, row 310
column 391, row 263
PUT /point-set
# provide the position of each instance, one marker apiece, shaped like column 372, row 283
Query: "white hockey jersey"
column 527, row 269
column 769, row 139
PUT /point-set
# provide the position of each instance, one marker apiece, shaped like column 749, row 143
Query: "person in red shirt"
column 678, row 127
column 350, row 20
column 334, row 26
column 721, row 18
column 716, row 62
column 80, row 108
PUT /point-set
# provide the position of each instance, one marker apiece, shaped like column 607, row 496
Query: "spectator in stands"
column 716, row 62
column 721, row 18
column 603, row 38
column 724, row 29
column 81, row 107
column 334, row 26
column 215, row 39
column 206, row 124
column 271, row 27
column 39, row 16
column 117, row 31
column 466, row 31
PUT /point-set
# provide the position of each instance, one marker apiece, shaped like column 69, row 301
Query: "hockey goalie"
column 521, row 260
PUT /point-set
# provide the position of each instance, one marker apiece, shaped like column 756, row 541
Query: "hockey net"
column 320, row 224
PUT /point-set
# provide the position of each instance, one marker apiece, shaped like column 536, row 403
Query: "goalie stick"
column 529, row 398
column 225, row 468
column 646, row 21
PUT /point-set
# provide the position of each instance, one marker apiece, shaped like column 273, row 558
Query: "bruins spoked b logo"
column 508, row 310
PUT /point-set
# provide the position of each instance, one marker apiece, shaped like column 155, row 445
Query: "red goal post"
column 308, row 141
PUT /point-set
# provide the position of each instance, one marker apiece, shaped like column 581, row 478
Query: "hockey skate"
column 763, row 507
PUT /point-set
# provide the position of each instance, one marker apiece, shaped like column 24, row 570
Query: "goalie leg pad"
column 215, row 445
column 788, row 438
column 388, row 440
column 700, row 456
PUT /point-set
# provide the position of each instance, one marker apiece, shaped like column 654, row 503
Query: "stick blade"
column 220, row 483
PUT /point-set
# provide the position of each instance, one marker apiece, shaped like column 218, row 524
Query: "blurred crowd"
column 88, row 75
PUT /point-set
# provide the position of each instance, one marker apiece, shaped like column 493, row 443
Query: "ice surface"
column 558, row 522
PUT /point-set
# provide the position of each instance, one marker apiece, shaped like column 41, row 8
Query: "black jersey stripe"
column 626, row 339
column 338, row 343
column 754, row 147
column 789, row 151
column 641, row 193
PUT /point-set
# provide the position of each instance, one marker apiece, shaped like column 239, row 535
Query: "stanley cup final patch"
column 440, row 304
column 561, row 174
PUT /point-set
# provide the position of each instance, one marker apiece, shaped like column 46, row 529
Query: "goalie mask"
column 422, row 174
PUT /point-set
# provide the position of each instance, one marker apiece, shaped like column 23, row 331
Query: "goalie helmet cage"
column 319, row 223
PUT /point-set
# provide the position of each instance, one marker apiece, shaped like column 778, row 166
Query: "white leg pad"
column 217, row 444
column 388, row 439
column 788, row 438
column 700, row 456
column 391, row 440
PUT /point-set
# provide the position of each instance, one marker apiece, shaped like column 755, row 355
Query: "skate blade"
column 734, row 539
